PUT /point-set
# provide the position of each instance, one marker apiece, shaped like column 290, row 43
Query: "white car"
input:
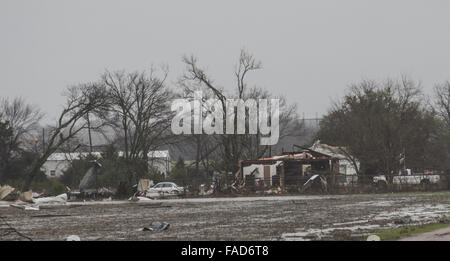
column 166, row 188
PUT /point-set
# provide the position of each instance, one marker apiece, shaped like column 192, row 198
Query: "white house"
column 57, row 163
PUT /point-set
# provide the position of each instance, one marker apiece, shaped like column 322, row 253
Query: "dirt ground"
column 340, row 217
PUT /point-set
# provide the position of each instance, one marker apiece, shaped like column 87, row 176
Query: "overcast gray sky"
column 310, row 50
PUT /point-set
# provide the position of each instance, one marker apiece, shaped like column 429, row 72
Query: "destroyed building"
column 348, row 164
column 333, row 164
column 289, row 169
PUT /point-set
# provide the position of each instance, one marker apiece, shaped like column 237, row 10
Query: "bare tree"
column 81, row 100
column 139, row 110
column 230, row 149
column 22, row 118
column 21, row 121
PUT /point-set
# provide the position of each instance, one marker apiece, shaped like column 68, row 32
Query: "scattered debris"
column 51, row 200
column 8, row 193
column 89, row 178
column 156, row 226
column 144, row 185
column 316, row 181
column 36, row 195
column 26, row 196
column 273, row 191
column 135, row 199
column 204, row 191
column 144, row 199
column 88, row 188
column 12, row 195
column 25, row 207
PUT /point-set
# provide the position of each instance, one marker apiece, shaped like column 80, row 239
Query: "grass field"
column 397, row 233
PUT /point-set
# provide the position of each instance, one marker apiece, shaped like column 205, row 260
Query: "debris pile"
column 62, row 199
column 27, row 200
column 205, row 191
column 273, row 191
column 316, row 182
column 8, row 193
column 142, row 190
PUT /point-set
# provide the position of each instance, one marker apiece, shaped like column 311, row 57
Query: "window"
column 52, row 173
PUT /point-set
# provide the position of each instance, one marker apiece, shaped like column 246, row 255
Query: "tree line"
column 132, row 110
column 375, row 121
column 390, row 125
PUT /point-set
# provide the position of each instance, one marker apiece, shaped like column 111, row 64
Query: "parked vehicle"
column 165, row 188
column 407, row 178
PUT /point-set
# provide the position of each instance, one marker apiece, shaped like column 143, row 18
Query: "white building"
column 57, row 163
column 160, row 160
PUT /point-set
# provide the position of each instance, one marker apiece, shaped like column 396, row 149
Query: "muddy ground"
column 342, row 217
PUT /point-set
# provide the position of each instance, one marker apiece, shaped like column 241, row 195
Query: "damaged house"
column 348, row 164
column 291, row 169
column 294, row 169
